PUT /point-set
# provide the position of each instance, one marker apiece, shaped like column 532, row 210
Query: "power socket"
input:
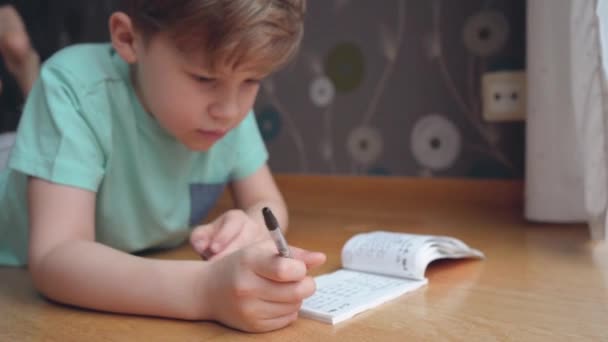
column 504, row 96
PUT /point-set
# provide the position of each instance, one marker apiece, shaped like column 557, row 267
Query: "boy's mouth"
column 211, row 134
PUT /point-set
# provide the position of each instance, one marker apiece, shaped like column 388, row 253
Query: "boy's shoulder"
column 89, row 63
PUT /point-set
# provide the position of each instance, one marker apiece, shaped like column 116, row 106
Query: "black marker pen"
column 275, row 232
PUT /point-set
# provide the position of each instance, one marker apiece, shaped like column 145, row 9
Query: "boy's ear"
column 124, row 36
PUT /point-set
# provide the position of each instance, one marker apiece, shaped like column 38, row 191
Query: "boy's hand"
column 256, row 290
column 229, row 232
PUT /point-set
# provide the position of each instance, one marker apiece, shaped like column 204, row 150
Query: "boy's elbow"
column 37, row 270
column 37, row 275
column 41, row 268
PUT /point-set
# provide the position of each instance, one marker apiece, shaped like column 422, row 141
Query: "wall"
column 384, row 88
column 394, row 89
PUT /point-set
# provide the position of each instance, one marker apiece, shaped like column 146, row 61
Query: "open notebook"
column 378, row 267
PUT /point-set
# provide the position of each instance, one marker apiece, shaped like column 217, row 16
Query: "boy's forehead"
column 203, row 60
column 251, row 62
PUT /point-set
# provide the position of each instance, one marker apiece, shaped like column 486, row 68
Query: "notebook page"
column 342, row 294
column 400, row 254
column 386, row 253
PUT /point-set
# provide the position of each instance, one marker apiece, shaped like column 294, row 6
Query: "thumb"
column 310, row 258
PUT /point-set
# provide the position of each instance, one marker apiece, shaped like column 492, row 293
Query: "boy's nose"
column 224, row 108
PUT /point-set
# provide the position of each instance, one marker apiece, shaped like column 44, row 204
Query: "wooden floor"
column 539, row 282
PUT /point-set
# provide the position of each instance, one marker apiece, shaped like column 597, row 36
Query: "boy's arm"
column 68, row 266
column 252, row 290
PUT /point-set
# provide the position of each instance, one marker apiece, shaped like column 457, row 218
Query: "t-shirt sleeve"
column 251, row 151
column 56, row 141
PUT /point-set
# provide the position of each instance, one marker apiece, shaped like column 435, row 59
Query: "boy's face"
column 195, row 105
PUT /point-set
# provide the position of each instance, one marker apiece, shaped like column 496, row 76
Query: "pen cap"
column 269, row 219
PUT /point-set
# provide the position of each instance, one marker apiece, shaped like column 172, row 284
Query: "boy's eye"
column 253, row 81
column 203, row 79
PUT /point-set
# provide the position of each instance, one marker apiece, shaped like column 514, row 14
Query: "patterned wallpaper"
column 394, row 89
column 381, row 88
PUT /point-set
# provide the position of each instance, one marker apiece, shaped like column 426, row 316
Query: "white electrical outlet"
column 504, row 96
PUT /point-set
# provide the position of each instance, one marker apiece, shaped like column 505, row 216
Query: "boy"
column 121, row 147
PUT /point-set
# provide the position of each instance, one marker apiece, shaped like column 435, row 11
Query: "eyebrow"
column 251, row 74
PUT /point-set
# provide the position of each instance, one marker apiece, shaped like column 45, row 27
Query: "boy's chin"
column 199, row 142
column 197, row 145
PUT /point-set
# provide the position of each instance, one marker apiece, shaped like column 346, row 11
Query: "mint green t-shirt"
column 83, row 126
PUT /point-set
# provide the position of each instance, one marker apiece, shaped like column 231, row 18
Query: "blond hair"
column 230, row 33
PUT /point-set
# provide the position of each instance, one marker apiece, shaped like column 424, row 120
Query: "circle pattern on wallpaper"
column 435, row 142
column 365, row 144
column 322, row 91
column 486, row 32
column 269, row 122
column 345, row 66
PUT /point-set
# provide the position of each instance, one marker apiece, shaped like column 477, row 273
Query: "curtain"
column 566, row 133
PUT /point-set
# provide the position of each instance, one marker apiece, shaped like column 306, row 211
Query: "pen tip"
column 269, row 219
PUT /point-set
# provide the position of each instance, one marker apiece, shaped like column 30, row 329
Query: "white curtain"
column 567, row 127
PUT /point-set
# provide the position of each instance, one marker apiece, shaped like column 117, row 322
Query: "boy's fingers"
column 225, row 232
column 277, row 268
column 201, row 237
column 266, row 263
column 275, row 323
column 275, row 309
column 231, row 248
column 311, row 259
column 291, row 292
